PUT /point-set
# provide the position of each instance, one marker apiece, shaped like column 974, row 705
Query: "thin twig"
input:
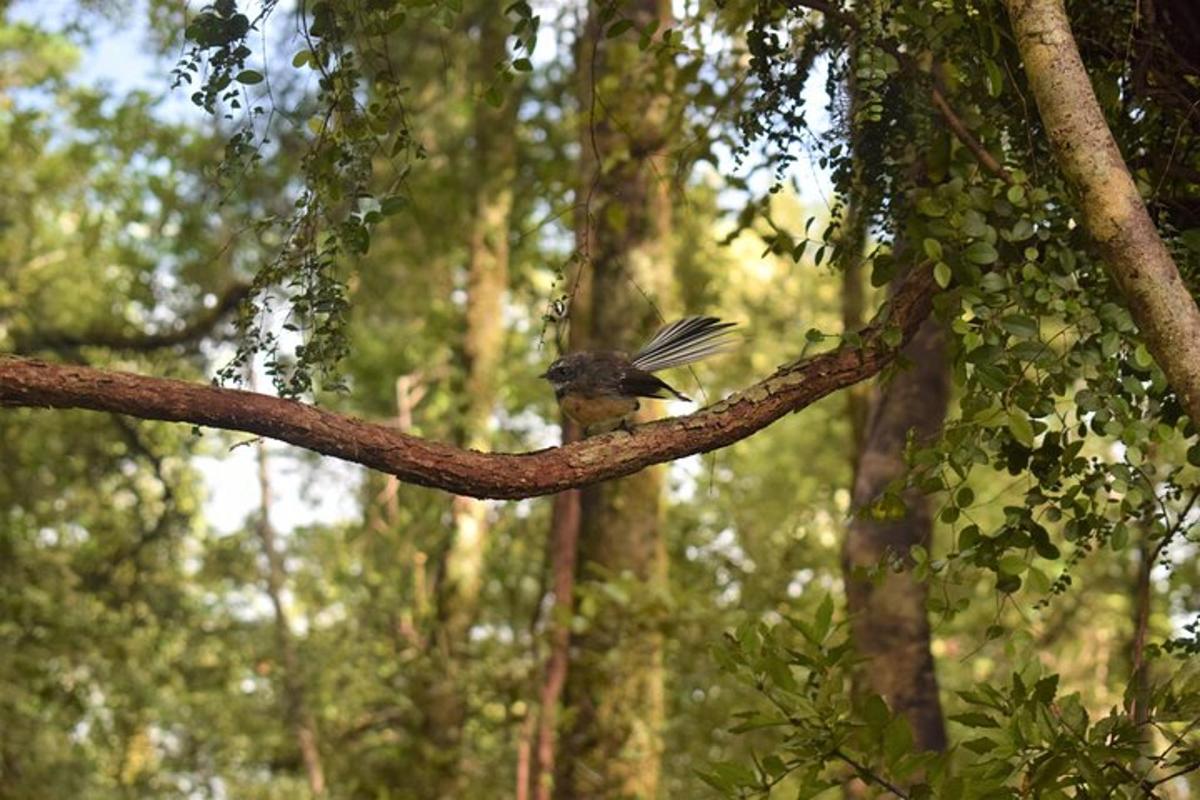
column 867, row 775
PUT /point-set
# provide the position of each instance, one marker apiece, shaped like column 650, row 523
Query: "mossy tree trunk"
column 614, row 691
column 294, row 692
column 888, row 619
column 461, row 570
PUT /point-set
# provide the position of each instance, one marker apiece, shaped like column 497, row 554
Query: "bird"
column 599, row 389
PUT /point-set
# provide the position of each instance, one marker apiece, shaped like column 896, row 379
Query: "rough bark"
column 794, row 386
column 1109, row 203
column 888, row 618
column 461, row 569
column 614, row 691
column 296, row 707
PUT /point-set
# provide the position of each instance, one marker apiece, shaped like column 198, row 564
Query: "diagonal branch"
column 30, row 383
column 1110, row 204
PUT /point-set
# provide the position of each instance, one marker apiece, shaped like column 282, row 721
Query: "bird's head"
column 561, row 373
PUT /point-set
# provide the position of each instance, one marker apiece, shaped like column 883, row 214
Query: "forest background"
column 964, row 567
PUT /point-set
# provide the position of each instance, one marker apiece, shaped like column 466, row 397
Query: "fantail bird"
column 599, row 388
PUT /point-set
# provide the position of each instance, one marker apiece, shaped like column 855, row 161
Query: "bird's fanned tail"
column 684, row 342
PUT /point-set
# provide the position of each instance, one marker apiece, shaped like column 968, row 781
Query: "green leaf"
column 1021, row 231
column 249, row 77
column 824, row 619
column 773, row 765
column 1012, row 565
column 1120, row 537
column 1036, row 580
column 941, row 273
column 992, row 377
column 981, row 745
column 1020, row 325
column 1045, row 689
column 1020, row 428
column 995, row 78
column 930, row 206
column 733, row 773
column 617, row 28
column 897, row 739
column 933, row 249
column 1042, row 544
column 1007, row 584
column 981, row 253
column 875, row 713
column 975, row 719
column 780, row 673
column 522, row 65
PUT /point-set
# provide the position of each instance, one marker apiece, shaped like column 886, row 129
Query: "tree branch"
column 30, row 383
column 138, row 341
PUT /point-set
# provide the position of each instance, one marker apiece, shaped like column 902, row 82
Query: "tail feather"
column 683, row 342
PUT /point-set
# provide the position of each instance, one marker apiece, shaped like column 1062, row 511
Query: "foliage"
column 333, row 169
column 1020, row 738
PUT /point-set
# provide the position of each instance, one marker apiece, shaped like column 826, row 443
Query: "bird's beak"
column 543, row 375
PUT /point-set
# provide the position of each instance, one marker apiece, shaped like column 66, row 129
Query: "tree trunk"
column 296, row 709
column 852, row 242
column 888, row 619
column 564, row 544
column 460, row 573
column 1111, row 207
column 614, row 689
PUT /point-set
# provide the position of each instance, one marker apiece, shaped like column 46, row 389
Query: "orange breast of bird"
column 593, row 410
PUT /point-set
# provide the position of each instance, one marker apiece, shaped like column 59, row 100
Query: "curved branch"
column 140, row 341
column 29, row 383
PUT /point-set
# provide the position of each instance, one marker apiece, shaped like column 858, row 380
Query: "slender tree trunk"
column 858, row 396
column 1138, row 690
column 296, row 709
column 852, row 244
column 1111, row 207
column 888, row 619
column 1139, row 706
column 564, row 544
column 614, row 690
column 461, row 570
